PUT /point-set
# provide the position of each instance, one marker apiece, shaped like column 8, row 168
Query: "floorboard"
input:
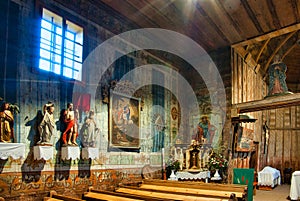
column 279, row 193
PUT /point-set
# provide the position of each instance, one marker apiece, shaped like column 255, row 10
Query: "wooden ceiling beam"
column 275, row 17
column 268, row 103
column 226, row 33
column 126, row 10
column 272, row 34
column 252, row 16
column 295, row 9
column 289, row 50
column 262, row 49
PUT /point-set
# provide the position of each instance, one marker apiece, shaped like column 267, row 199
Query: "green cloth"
column 244, row 176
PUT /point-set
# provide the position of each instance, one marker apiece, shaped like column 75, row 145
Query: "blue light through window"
column 61, row 46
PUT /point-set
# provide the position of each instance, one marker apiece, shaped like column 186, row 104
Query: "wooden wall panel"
column 279, row 137
column 246, row 86
column 293, row 116
column 284, row 142
column 286, row 138
column 271, row 147
column 297, row 152
column 294, row 146
column 234, row 62
column 287, row 151
column 239, row 78
column 283, row 148
column 297, row 117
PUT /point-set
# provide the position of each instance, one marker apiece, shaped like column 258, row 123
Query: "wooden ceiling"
column 258, row 28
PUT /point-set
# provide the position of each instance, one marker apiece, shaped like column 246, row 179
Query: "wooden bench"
column 200, row 185
column 200, row 188
column 171, row 190
column 173, row 194
column 128, row 194
column 57, row 197
column 111, row 195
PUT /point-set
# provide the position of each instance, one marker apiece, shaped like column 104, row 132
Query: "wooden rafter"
column 252, row 16
column 262, row 49
column 247, row 56
column 269, row 35
column 289, row 50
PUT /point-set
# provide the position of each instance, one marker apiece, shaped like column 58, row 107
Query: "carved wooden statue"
column 46, row 127
column 6, row 123
column 70, row 133
column 277, row 83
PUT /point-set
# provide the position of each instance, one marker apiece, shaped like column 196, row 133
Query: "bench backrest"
column 190, row 191
column 239, row 190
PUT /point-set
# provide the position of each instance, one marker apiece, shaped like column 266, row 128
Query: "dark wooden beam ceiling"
column 260, row 27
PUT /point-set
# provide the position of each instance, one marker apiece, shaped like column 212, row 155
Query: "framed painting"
column 124, row 122
column 244, row 139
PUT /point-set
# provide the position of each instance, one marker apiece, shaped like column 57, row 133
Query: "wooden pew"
column 138, row 194
column 93, row 196
column 177, row 193
column 111, row 195
column 57, row 197
column 240, row 191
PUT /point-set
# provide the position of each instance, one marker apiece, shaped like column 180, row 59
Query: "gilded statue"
column 6, row 123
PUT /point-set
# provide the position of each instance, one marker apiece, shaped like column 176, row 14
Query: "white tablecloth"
column 188, row 175
column 69, row 152
column 295, row 186
column 14, row 150
column 269, row 177
column 90, row 152
column 43, row 152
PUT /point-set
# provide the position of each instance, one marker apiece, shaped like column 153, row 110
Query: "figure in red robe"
column 71, row 131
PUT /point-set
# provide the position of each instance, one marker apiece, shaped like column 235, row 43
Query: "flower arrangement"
column 217, row 161
column 173, row 164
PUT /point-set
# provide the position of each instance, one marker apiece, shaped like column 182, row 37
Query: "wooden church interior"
column 159, row 90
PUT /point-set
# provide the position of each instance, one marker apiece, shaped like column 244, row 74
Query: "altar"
column 295, row 186
column 193, row 160
column 185, row 175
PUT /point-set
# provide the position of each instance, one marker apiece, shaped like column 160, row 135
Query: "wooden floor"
column 280, row 193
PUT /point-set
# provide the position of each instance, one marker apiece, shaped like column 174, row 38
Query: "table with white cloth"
column 43, row 152
column 295, row 186
column 269, row 177
column 185, row 175
column 14, row 150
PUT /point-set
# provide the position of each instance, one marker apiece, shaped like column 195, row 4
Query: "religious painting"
column 124, row 122
column 244, row 139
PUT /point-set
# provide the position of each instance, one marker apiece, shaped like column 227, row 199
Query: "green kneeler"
column 244, row 176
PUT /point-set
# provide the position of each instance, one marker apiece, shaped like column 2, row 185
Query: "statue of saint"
column 46, row 127
column 89, row 130
column 276, row 71
column 6, row 123
column 71, row 127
